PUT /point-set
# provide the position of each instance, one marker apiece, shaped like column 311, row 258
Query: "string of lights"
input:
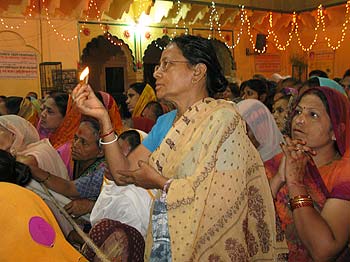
column 344, row 28
column 19, row 25
column 214, row 24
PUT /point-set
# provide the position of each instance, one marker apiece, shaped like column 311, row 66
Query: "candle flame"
column 84, row 74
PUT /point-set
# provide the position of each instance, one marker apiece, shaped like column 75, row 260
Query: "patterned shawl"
column 219, row 205
column 329, row 181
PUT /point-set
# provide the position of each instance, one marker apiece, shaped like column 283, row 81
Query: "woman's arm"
column 89, row 104
column 324, row 234
column 57, row 184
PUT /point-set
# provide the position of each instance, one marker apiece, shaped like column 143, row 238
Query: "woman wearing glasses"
column 202, row 162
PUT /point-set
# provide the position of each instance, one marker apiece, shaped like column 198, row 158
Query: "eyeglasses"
column 164, row 65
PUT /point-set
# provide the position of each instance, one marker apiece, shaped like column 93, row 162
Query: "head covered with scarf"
column 263, row 125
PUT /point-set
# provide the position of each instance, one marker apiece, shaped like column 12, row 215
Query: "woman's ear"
column 199, row 72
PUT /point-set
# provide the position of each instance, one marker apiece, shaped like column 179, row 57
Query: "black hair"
column 12, row 171
column 257, row 85
column 138, row 87
column 61, row 100
column 132, row 137
column 95, row 125
column 318, row 73
column 312, row 82
column 13, row 104
column 198, row 50
column 234, row 89
column 347, row 73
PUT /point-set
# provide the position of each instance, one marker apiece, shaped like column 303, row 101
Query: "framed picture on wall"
column 69, row 79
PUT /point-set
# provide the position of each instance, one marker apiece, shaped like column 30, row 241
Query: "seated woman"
column 262, row 129
column 315, row 178
column 120, row 216
column 60, row 120
column 90, row 167
column 23, row 228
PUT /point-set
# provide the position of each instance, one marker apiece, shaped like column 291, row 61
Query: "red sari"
column 329, row 181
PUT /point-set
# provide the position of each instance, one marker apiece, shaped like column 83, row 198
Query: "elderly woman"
column 60, row 120
column 315, row 178
column 202, row 161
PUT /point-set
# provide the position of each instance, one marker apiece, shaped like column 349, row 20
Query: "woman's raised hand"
column 86, row 101
column 297, row 154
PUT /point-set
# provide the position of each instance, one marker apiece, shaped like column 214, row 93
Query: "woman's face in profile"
column 132, row 98
column 311, row 122
column 50, row 117
column 174, row 75
column 6, row 139
column 249, row 93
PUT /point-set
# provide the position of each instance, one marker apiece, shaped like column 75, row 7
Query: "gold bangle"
column 300, row 201
column 301, row 204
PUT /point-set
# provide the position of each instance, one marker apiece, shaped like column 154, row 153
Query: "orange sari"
column 329, row 181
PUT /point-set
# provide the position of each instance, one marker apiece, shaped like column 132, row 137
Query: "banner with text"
column 18, row 64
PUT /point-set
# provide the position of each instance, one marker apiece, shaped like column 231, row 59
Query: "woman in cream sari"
column 214, row 201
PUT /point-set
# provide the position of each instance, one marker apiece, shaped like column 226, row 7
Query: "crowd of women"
column 203, row 170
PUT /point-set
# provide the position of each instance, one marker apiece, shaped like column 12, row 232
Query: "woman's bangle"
column 110, row 142
column 301, row 201
column 44, row 180
column 107, row 134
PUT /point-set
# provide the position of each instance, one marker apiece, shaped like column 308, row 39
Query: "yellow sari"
column 19, row 241
column 146, row 96
column 219, row 204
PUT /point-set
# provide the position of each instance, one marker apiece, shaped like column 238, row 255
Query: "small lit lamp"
column 84, row 76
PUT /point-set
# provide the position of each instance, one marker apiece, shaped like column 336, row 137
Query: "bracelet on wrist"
column 110, row 142
column 46, row 178
column 107, row 134
column 301, row 201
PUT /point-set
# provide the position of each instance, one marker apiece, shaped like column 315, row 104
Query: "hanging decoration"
column 93, row 13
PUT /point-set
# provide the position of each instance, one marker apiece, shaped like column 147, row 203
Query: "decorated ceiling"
column 262, row 16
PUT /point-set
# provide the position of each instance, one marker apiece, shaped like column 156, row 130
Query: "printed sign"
column 18, row 64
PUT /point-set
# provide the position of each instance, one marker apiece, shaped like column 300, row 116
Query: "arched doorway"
column 111, row 65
